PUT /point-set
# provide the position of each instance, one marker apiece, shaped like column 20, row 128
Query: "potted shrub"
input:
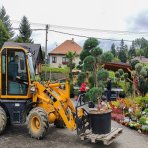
column 100, row 115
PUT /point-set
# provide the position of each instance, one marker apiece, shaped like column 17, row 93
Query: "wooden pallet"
column 106, row 138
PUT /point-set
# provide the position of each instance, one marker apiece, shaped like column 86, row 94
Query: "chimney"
column 72, row 40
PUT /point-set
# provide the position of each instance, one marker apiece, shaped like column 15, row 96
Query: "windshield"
column 32, row 73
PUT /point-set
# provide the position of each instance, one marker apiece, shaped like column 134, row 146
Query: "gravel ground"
column 18, row 137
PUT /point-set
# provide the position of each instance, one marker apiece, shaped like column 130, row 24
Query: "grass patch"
column 56, row 70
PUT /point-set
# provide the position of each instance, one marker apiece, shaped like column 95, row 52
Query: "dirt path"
column 17, row 137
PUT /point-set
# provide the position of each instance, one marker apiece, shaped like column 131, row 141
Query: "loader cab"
column 15, row 73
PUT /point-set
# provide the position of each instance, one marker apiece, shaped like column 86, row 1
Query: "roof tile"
column 68, row 45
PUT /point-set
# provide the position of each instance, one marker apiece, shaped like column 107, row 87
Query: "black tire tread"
column 4, row 118
column 43, row 116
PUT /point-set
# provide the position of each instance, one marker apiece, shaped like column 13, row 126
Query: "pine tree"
column 122, row 52
column 4, row 35
column 6, row 21
column 113, row 50
column 24, row 31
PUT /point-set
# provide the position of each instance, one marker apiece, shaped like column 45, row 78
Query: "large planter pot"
column 100, row 121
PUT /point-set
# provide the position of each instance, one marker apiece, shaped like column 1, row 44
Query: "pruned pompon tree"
column 93, row 58
column 71, row 57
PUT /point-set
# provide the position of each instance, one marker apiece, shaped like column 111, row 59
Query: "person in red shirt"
column 83, row 88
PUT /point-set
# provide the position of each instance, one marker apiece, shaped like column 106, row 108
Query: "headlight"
column 32, row 90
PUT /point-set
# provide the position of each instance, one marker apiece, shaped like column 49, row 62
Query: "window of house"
column 54, row 59
column 64, row 60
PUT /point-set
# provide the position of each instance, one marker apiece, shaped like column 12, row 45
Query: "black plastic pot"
column 100, row 122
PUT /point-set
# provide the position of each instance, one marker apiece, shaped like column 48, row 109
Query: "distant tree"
column 4, row 34
column 122, row 46
column 24, row 31
column 141, row 43
column 132, row 51
column 113, row 50
column 106, row 57
column 146, row 52
column 122, row 54
column 6, row 21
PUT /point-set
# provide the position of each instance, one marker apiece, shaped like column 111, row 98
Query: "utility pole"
column 46, row 40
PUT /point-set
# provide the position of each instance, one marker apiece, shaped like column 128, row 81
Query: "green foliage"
column 81, row 78
column 132, row 51
column 95, row 93
column 71, row 57
column 102, row 75
column 4, row 35
column 117, row 74
column 143, row 73
column 141, row 43
column 122, row 78
column 106, row 57
column 24, row 31
column 113, row 50
column 116, row 60
column 138, row 67
column 122, row 55
column 126, row 75
column 84, row 54
column 91, row 80
column 140, row 52
column 96, row 51
column 6, row 21
column 90, row 43
column 146, row 51
column 133, row 62
column 111, row 74
column 121, row 72
column 56, row 70
column 143, row 120
column 89, row 63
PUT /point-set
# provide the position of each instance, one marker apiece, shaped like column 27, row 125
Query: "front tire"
column 37, row 123
column 3, row 120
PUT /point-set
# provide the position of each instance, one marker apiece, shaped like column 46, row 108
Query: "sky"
column 115, row 15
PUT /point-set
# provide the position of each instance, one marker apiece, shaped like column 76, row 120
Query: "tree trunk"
column 95, row 75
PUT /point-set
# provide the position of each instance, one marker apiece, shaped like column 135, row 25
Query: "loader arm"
column 58, row 100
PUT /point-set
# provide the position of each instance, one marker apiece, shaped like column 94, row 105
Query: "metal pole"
column 46, row 51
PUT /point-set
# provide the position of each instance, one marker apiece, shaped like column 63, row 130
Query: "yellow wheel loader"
column 24, row 100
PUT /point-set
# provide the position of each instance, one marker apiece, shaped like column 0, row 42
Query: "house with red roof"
column 57, row 56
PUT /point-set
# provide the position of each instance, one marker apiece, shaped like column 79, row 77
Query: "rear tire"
column 3, row 120
column 37, row 123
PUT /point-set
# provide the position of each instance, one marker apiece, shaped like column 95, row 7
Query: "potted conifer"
column 100, row 115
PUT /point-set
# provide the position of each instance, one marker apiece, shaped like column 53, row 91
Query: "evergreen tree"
column 24, row 31
column 6, row 21
column 122, row 55
column 113, row 50
column 132, row 51
column 4, row 35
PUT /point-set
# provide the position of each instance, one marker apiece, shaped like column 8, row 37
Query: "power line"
column 88, row 29
column 87, row 36
column 84, row 36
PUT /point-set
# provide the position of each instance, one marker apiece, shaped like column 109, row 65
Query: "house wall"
column 59, row 61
